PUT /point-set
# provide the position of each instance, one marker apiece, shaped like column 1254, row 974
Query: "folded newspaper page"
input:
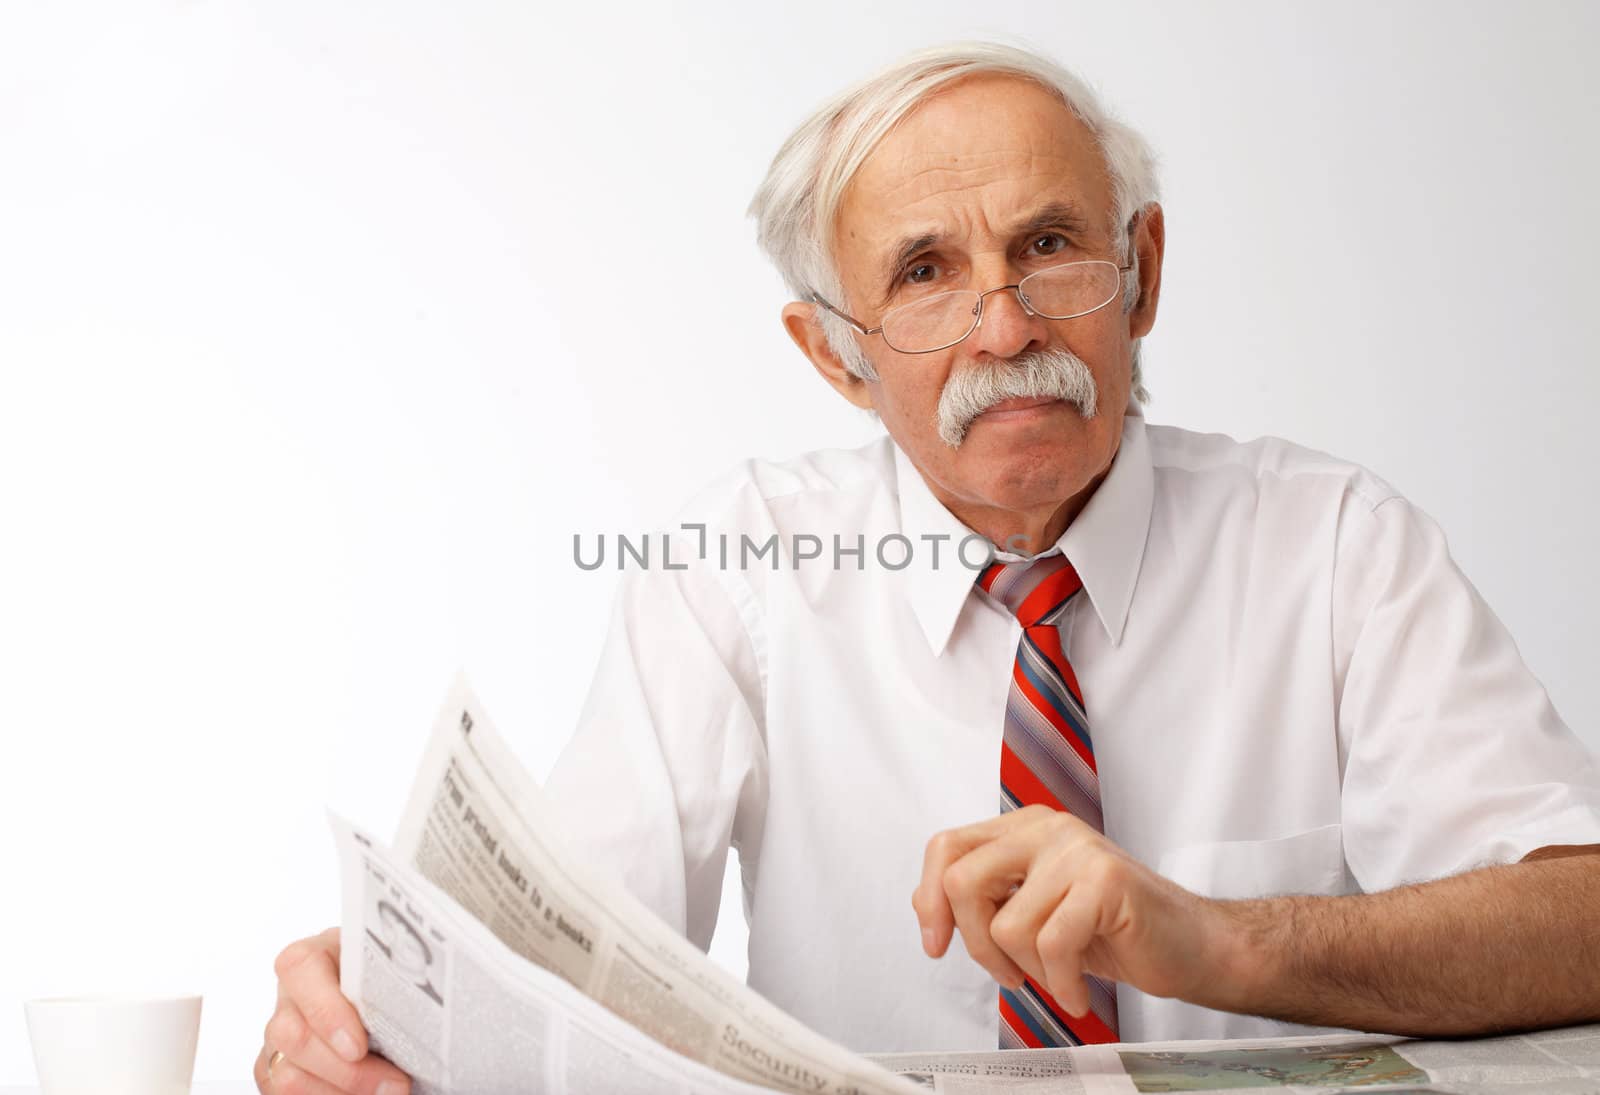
column 475, row 827
column 452, row 1005
column 483, row 958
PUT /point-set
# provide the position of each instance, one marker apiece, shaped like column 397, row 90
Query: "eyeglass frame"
column 816, row 298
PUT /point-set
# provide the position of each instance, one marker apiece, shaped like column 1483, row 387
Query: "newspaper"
column 475, row 830
column 453, row 1006
column 1561, row 1062
column 483, row 958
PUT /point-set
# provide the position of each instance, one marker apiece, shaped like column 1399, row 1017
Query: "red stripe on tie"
column 1089, row 1026
column 1041, row 704
column 1049, row 593
column 1024, row 1034
column 1024, row 786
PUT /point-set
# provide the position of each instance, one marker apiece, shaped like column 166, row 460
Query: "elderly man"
column 1195, row 675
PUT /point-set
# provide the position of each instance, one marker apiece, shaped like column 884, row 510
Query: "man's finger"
column 978, row 883
column 259, row 1072
column 1015, row 927
column 308, row 975
column 932, row 905
column 934, row 915
column 290, row 1033
column 1062, row 940
column 288, row 1079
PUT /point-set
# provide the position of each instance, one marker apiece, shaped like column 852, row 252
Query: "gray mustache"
column 1047, row 374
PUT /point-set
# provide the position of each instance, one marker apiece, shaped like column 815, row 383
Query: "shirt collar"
column 1105, row 542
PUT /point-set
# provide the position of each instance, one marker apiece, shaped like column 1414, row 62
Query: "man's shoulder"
column 1215, row 462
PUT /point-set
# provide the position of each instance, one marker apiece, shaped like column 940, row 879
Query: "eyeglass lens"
column 1059, row 292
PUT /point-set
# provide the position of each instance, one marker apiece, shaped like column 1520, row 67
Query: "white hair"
column 798, row 201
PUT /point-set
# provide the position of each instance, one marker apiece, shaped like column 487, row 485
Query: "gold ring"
column 277, row 1055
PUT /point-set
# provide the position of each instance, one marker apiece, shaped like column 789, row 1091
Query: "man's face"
column 1005, row 180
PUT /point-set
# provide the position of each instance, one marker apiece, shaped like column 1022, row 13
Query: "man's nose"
column 1006, row 328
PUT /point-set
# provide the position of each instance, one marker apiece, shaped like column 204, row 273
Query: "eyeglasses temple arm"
column 815, row 299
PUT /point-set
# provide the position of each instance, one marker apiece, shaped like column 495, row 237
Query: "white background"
column 325, row 326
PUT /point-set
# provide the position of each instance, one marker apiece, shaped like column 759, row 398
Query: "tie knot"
column 1035, row 590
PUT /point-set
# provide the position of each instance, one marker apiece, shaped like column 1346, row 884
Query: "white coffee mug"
column 114, row 1045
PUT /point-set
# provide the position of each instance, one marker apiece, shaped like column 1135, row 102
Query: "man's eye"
column 921, row 274
column 1049, row 244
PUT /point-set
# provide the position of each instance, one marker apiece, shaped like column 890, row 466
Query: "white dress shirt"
column 1291, row 689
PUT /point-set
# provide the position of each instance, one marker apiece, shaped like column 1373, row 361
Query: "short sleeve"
column 1453, row 756
column 667, row 768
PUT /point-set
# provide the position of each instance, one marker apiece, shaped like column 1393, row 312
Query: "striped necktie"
column 1046, row 757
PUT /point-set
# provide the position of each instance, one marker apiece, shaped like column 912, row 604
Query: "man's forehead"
column 997, row 150
column 1019, row 173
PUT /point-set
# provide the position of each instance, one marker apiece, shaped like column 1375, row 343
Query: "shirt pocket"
column 1311, row 862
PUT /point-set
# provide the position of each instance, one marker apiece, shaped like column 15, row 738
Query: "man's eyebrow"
column 904, row 252
column 1063, row 216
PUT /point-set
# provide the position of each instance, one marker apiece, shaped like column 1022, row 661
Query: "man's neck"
column 1029, row 530
column 1024, row 532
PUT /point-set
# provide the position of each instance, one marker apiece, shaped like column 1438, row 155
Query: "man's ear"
column 1150, row 244
column 800, row 320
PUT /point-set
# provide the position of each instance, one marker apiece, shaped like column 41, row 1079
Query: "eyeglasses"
column 938, row 322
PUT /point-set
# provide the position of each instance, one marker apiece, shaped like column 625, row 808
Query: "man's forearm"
column 1495, row 949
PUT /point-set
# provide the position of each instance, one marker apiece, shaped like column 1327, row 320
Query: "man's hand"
column 1037, row 891
column 317, row 1030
